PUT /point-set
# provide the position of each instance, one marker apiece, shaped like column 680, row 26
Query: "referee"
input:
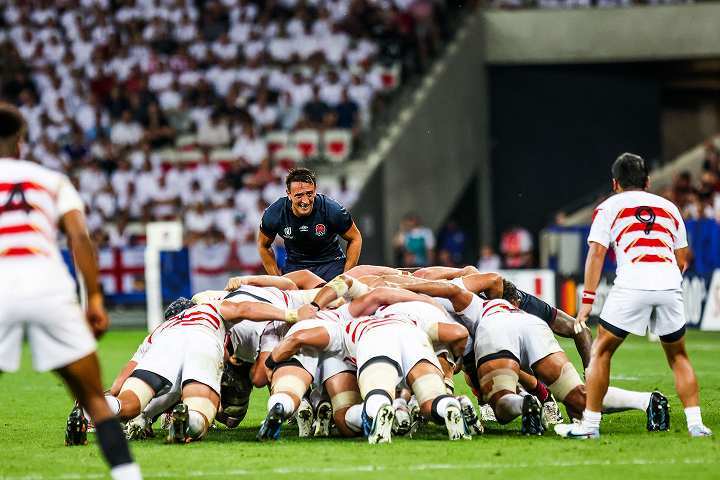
column 309, row 223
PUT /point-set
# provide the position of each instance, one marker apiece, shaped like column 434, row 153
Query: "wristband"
column 270, row 363
column 314, row 304
column 588, row 297
column 291, row 315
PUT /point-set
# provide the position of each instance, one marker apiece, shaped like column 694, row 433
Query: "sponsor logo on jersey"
column 304, row 228
column 320, row 230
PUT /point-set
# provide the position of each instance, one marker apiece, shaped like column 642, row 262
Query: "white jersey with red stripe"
column 645, row 230
column 204, row 318
column 33, row 199
column 355, row 327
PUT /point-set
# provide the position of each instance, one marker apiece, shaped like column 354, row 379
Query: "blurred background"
column 456, row 132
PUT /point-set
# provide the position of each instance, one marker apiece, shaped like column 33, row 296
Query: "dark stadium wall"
column 555, row 131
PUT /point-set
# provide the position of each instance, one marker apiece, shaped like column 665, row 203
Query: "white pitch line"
column 381, row 468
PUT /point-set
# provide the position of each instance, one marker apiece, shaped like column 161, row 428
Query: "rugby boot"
column 700, row 431
column 139, row 428
column 305, row 418
column 576, row 431
column 270, row 428
column 178, row 424
column 486, row 413
column 472, row 421
column 402, row 424
column 76, row 427
column 381, row 430
column 455, row 424
column 323, row 419
column 551, row 414
column 531, row 416
column 658, row 413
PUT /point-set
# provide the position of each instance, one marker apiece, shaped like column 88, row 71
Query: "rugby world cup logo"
column 320, row 229
column 288, row 231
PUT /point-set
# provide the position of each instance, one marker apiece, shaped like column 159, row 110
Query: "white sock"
column 618, row 399
column 285, row 400
column 196, row 424
column 353, row 417
column 509, row 407
column 591, row 420
column 114, row 404
column 399, row 403
column 375, row 402
column 693, row 416
column 443, row 404
column 127, row 471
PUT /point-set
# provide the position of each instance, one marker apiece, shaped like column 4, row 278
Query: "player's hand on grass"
column 96, row 315
column 307, row 311
column 582, row 317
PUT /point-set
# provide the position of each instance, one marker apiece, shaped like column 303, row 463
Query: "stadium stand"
column 194, row 110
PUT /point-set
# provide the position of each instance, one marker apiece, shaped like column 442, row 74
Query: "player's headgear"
column 178, row 306
column 630, row 171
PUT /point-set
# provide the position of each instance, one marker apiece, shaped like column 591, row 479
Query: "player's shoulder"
column 31, row 171
column 328, row 203
column 277, row 206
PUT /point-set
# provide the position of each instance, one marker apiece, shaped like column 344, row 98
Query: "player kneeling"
column 312, row 351
column 507, row 338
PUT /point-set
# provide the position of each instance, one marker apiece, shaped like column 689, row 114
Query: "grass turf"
column 33, row 408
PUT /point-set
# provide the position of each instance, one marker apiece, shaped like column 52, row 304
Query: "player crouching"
column 312, row 351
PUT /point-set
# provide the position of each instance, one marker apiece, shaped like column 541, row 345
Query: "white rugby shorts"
column 57, row 330
column 182, row 354
column 636, row 311
column 404, row 344
column 525, row 336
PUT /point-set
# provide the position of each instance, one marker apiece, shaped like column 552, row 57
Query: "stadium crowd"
column 172, row 109
column 510, row 4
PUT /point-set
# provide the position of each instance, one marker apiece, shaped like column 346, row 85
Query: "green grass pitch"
column 33, row 408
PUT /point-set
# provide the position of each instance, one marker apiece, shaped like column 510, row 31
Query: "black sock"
column 112, row 442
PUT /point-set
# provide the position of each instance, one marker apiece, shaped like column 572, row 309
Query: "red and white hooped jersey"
column 32, row 201
column 354, row 329
column 204, row 317
column 644, row 230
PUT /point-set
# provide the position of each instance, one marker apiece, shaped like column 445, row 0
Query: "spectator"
column 516, row 244
column 451, row 244
column 415, row 243
column 126, row 132
column 344, row 194
column 249, row 147
column 316, row 111
column 215, row 132
column 347, row 113
column 489, row 260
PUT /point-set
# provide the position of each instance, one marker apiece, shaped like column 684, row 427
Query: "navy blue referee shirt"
column 310, row 240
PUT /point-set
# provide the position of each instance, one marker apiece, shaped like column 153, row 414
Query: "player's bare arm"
column 266, row 253
column 564, row 326
column 368, row 303
column 444, row 273
column 121, row 377
column 593, row 269
column 282, row 283
column 235, row 312
column 682, row 256
column 491, row 284
column 73, row 224
column 454, row 336
column 353, row 237
column 459, row 298
column 317, row 337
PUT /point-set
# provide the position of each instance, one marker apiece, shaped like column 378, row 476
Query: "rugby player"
column 185, row 354
column 650, row 242
column 37, row 293
column 507, row 340
column 309, row 223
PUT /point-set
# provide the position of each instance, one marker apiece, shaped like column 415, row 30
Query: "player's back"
column 644, row 230
column 33, row 199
